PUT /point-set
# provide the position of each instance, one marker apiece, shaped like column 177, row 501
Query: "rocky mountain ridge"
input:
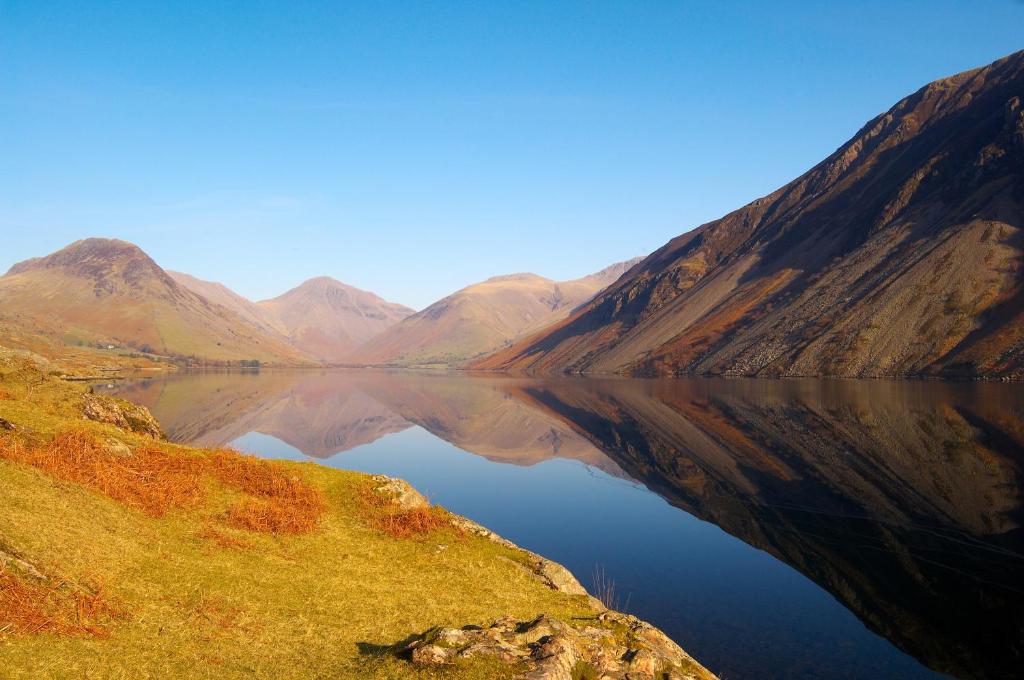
column 897, row 255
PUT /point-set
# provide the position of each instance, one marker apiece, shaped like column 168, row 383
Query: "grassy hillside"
column 104, row 292
column 482, row 318
column 126, row 556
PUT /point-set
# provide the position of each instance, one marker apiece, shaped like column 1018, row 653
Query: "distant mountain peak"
column 482, row 317
column 110, row 264
column 329, row 287
column 320, row 283
column 87, row 256
column 614, row 271
column 328, row 319
column 520, row 276
column 110, row 292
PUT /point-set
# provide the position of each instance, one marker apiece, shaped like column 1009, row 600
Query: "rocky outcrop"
column 122, row 414
column 400, row 492
column 611, row 646
column 116, row 447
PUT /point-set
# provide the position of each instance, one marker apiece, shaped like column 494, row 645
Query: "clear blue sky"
column 411, row 148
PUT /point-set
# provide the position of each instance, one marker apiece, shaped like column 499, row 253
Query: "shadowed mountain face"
column 103, row 291
column 482, row 318
column 905, row 501
column 899, row 254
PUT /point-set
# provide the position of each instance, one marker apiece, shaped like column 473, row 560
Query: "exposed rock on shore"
column 613, row 646
column 400, row 491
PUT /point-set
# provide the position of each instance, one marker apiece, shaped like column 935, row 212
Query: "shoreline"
column 455, row 594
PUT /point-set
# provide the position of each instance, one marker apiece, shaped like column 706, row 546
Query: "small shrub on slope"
column 156, row 481
column 30, row 606
column 150, row 480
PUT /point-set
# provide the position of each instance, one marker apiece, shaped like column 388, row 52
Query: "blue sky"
column 414, row 148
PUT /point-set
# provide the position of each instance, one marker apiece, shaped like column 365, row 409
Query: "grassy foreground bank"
column 122, row 555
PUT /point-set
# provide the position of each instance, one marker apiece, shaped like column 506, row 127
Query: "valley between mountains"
column 108, row 293
column 898, row 255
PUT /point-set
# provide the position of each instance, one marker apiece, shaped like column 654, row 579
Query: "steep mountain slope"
column 327, row 319
column 898, row 255
column 483, row 317
column 222, row 295
column 110, row 292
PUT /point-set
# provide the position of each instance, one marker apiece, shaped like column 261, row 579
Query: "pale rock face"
column 122, row 414
column 10, row 561
column 400, row 492
column 116, row 447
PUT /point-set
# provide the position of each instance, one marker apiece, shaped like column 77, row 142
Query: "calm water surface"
column 775, row 529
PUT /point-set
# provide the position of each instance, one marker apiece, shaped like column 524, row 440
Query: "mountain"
column 225, row 297
column 104, row 291
column 897, row 255
column 328, row 319
column 322, row 317
column 482, row 318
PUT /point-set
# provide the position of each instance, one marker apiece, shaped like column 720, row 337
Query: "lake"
column 775, row 529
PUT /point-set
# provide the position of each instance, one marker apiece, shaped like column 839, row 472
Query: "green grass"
column 325, row 604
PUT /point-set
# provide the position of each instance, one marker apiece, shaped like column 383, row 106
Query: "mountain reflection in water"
column 901, row 499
